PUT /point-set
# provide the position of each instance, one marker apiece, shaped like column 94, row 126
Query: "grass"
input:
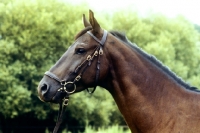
column 110, row 129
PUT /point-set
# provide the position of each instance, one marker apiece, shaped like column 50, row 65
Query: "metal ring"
column 65, row 101
column 72, row 90
column 78, row 78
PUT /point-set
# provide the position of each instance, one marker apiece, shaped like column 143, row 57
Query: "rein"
column 98, row 51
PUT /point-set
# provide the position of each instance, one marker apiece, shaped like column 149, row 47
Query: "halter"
column 98, row 51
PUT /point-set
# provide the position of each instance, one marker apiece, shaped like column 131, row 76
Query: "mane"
column 152, row 59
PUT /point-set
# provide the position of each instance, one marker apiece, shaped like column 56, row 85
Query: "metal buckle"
column 95, row 53
column 89, row 57
column 63, row 82
column 78, row 78
column 65, row 101
column 60, row 89
column 100, row 51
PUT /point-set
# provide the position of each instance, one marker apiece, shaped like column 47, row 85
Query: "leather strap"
column 53, row 76
column 103, row 40
column 60, row 116
column 63, row 104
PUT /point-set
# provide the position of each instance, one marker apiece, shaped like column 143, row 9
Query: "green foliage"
column 173, row 41
column 34, row 34
column 112, row 129
column 31, row 34
column 197, row 27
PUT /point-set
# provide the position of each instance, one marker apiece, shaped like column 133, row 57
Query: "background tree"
column 173, row 41
column 34, row 34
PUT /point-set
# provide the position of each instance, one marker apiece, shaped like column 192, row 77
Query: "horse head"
column 83, row 65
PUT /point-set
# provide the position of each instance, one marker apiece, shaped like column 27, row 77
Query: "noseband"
column 98, row 51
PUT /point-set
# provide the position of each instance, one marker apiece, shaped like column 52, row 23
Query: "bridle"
column 98, row 51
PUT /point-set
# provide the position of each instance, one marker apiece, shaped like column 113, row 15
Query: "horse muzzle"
column 50, row 91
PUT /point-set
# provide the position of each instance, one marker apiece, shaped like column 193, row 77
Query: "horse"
column 151, row 98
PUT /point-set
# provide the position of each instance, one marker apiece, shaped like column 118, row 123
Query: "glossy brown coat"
column 150, row 97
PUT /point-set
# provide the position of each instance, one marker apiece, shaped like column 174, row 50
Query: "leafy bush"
column 173, row 41
column 34, row 34
column 112, row 129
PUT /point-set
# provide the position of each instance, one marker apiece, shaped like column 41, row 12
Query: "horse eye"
column 80, row 51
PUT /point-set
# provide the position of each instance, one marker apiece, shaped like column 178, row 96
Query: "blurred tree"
column 34, row 34
column 173, row 41
column 197, row 27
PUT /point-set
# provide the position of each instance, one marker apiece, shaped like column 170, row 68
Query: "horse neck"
column 130, row 71
column 139, row 87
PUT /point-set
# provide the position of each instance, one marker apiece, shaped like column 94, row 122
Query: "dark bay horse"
column 151, row 98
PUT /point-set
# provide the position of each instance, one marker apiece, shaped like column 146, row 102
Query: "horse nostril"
column 44, row 89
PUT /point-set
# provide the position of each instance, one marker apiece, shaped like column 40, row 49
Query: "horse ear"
column 95, row 25
column 85, row 22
